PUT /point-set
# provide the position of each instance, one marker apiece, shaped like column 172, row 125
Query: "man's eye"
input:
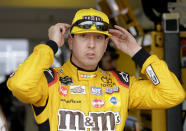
column 83, row 35
column 99, row 37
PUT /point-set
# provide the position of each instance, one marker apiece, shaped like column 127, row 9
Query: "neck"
column 79, row 67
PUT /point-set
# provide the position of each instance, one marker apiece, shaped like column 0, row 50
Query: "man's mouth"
column 90, row 55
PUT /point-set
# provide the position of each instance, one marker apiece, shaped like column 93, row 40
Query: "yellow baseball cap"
column 89, row 14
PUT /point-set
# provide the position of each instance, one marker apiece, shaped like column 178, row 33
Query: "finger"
column 64, row 29
column 67, row 25
column 115, row 32
column 67, row 28
column 124, row 31
column 118, row 34
column 115, row 41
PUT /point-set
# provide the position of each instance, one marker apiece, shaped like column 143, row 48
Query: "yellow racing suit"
column 69, row 98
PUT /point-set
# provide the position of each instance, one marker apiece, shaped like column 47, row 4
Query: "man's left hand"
column 124, row 41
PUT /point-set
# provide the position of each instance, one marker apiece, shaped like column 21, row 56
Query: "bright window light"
column 12, row 53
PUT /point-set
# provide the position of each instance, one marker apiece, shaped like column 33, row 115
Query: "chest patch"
column 51, row 76
column 122, row 78
column 78, row 89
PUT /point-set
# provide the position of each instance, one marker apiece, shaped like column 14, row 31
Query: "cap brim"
column 79, row 31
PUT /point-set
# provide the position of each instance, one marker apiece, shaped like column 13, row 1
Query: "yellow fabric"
column 79, row 111
column 43, row 116
column 92, row 13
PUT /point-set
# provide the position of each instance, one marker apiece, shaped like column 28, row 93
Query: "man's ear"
column 70, row 42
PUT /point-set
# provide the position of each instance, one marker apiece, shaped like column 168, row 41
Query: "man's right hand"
column 58, row 32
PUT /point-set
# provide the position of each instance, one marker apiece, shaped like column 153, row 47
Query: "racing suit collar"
column 78, row 73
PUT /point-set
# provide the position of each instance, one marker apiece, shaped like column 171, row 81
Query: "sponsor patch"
column 106, row 79
column 70, row 101
column 152, row 75
column 112, row 90
column 78, row 89
column 87, row 76
column 50, row 72
column 113, row 100
column 96, row 90
column 63, row 90
column 97, row 103
column 66, row 80
column 107, row 82
column 122, row 78
column 51, row 76
column 71, row 120
column 60, row 71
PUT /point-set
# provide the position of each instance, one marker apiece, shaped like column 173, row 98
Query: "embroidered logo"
column 107, row 82
column 124, row 76
column 71, row 120
column 97, row 103
column 63, row 90
column 96, row 90
column 66, row 80
column 50, row 72
column 110, row 91
column 71, row 101
column 78, row 89
column 87, row 76
column 60, row 71
column 152, row 75
column 113, row 100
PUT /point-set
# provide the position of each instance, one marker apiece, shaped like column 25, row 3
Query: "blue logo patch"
column 96, row 90
column 113, row 100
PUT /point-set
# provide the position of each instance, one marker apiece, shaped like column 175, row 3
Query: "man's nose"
column 91, row 43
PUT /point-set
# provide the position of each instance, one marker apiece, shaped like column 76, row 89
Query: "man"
column 81, row 96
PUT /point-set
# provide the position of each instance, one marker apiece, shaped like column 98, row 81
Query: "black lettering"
column 107, row 85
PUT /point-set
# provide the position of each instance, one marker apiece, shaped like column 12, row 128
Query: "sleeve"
column 161, row 90
column 28, row 83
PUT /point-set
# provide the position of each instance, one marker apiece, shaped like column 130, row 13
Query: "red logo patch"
column 97, row 103
column 63, row 90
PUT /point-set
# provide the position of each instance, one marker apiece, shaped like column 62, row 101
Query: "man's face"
column 87, row 49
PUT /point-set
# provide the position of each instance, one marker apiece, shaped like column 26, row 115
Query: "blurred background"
column 158, row 25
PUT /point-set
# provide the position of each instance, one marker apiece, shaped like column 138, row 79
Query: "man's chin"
column 92, row 63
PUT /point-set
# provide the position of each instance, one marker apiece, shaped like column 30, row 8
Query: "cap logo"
column 92, row 18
